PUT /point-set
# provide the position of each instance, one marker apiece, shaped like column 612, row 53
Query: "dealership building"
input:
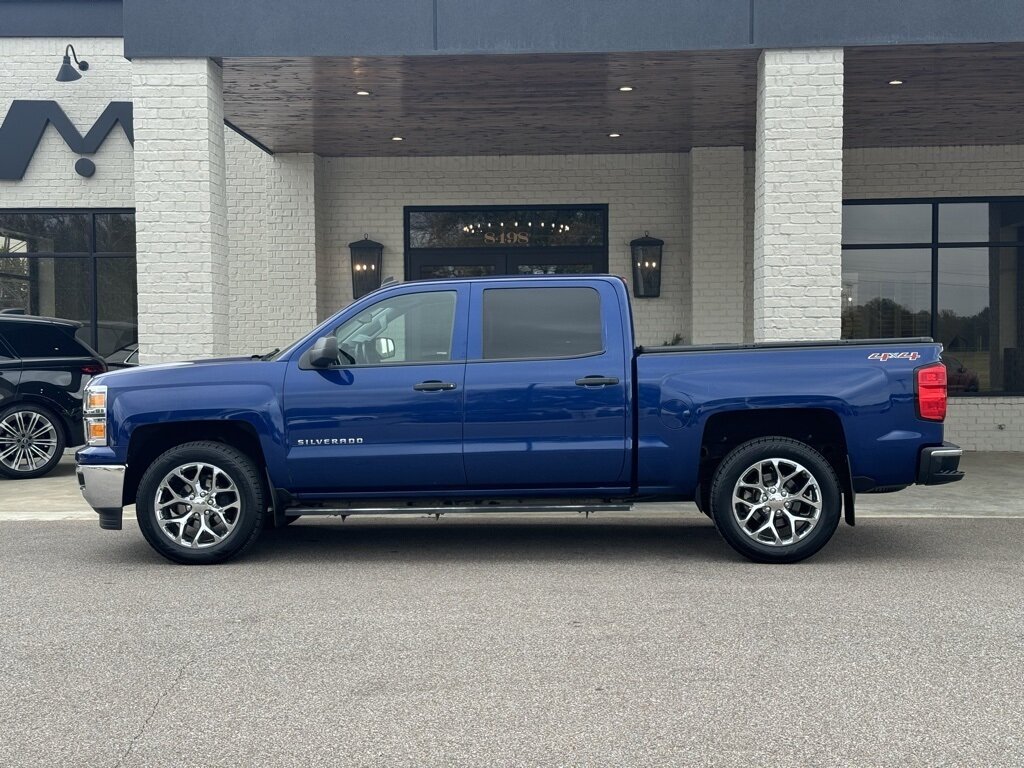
column 210, row 178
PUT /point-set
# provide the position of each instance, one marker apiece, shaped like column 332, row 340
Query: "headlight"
column 96, row 399
column 96, row 415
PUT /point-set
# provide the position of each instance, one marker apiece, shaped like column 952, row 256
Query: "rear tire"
column 31, row 441
column 201, row 503
column 776, row 500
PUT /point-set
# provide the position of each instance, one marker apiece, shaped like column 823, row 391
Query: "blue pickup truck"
column 512, row 394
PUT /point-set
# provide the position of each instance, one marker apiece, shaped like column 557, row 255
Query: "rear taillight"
column 92, row 369
column 931, row 392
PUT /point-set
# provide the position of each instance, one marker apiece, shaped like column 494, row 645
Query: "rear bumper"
column 939, row 464
column 102, row 485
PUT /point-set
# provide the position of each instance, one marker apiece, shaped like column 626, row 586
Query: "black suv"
column 43, row 370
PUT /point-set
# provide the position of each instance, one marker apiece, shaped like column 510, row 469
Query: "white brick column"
column 290, row 300
column 180, row 210
column 798, row 190
column 716, row 244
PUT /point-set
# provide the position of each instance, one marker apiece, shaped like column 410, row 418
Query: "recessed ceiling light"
column 614, row 135
column 397, row 138
column 895, row 82
column 362, row 93
column 625, row 88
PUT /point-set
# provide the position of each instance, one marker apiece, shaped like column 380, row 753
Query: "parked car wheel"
column 776, row 500
column 201, row 503
column 31, row 441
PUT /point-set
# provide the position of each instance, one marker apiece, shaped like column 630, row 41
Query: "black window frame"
column 550, row 254
column 91, row 254
column 935, row 245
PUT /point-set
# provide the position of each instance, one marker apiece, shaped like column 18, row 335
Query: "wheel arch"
column 820, row 428
column 148, row 441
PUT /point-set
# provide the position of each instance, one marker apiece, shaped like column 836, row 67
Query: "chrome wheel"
column 28, row 441
column 197, row 505
column 777, row 502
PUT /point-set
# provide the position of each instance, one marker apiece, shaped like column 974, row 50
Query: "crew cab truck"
column 505, row 394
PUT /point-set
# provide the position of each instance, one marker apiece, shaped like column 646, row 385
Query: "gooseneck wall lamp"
column 67, row 73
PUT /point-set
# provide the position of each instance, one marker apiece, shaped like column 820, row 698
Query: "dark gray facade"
column 417, row 27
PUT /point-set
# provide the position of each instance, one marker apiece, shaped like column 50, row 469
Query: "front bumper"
column 939, row 464
column 102, row 485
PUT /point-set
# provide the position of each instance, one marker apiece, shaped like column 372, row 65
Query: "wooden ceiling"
column 962, row 94
column 569, row 103
column 473, row 105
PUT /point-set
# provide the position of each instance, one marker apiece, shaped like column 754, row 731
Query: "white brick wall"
column 986, row 423
column 717, row 238
column 28, row 67
column 798, row 194
column 247, row 244
column 643, row 192
column 933, row 171
column 290, row 293
column 180, row 209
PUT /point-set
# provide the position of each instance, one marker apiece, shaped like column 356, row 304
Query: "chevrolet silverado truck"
column 512, row 394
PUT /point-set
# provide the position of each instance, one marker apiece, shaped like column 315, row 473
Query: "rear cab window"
column 42, row 340
column 541, row 323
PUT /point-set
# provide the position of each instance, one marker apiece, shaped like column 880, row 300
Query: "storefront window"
column 963, row 286
column 505, row 240
column 49, row 265
column 500, row 227
column 887, row 293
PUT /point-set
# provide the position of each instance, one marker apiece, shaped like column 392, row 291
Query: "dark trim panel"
column 61, row 18
column 416, row 27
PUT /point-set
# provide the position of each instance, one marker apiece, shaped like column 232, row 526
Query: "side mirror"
column 324, row 353
column 385, row 347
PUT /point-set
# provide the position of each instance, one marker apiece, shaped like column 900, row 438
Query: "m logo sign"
column 26, row 121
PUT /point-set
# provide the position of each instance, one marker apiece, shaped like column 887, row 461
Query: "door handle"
column 433, row 386
column 596, row 381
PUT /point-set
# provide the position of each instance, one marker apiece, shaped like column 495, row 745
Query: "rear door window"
column 42, row 340
column 532, row 323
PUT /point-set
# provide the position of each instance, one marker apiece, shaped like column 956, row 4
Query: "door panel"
column 529, row 424
column 382, row 425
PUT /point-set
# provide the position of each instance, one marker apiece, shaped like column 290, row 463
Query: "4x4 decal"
column 886, row 356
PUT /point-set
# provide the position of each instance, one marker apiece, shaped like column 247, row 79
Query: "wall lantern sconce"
column 367, row 256
column 646, row 253
column 67, row 73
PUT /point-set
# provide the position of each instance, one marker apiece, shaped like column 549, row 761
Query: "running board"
column 446, row 509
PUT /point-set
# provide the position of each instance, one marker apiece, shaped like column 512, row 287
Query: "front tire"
column 201, row 503
column 776, row 500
